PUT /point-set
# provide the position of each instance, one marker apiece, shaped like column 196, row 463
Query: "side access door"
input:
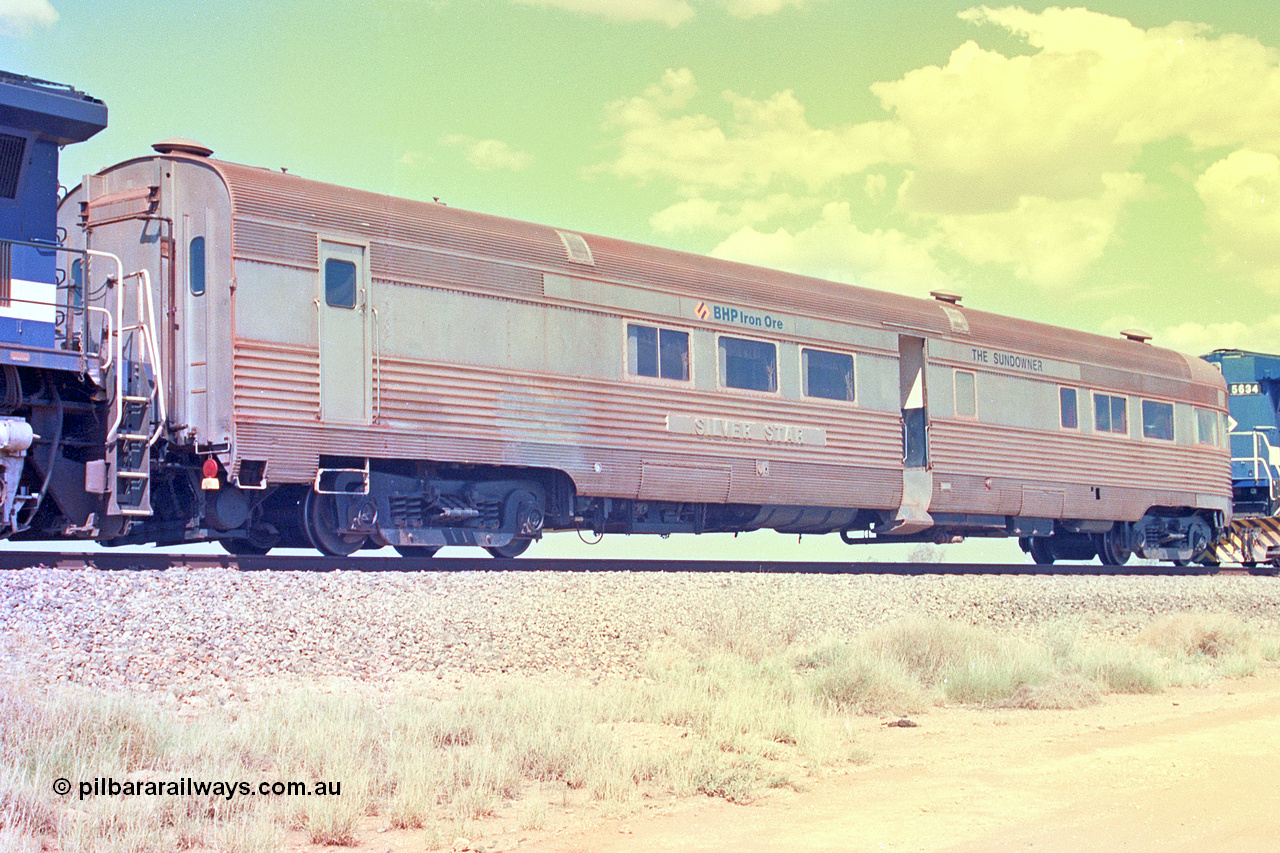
column 345, row 358
column 917, row 479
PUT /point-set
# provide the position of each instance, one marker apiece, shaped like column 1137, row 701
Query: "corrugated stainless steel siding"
column 632, row 415
column 276, row 383
column 409, row 265
column 967, row 453
column 482, row 415
column 272, row 243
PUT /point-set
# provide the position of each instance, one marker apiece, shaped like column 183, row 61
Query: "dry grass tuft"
column 719, row 714
column 1199, row 634
column 1061, row 692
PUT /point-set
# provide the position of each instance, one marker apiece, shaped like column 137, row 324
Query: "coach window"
column 749, row 365
column 195, row 266
column 339, row 283
column 1157, row 420
column 1067, row 405
column 966, row 395
column 1109, row 414
column 828, row 375
column 1206, row 427
column 660, row 353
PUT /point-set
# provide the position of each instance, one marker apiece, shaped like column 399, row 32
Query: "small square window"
column 673, row 354
column 339, row 283
column 1157, row 420
column 660, row 353
column 828, row 375
column 749, row 365
column 1110, row 414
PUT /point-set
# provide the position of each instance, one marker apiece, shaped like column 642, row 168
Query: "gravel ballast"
column 208, row 636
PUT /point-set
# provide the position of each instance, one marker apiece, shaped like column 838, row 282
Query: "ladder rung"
column 131, row 399
column 134, row 436
column 134, row 475
column 133, row 511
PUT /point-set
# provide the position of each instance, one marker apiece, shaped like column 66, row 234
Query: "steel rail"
column 159, row 561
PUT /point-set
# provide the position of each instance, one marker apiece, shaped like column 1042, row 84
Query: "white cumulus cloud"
column 1241, row 195
column 20, row 17
column 489, row 154
column 1050, row 242
column 835, row 248
column 1029, row 162
column 669, row 12
column 755, row 8
column 1256, row 334
column 762, row 141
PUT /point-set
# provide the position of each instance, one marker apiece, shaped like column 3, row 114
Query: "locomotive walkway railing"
column 1252, row 458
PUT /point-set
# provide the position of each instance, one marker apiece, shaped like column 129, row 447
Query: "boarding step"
column 129, row 455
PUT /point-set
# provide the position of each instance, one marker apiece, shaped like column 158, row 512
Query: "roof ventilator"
column 575, row 245
column 182, row 145
column 949, row 302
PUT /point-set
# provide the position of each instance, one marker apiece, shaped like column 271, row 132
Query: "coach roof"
column 294, row 202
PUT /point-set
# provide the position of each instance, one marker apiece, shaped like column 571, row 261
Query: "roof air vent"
column 181, row 145
column 1137, row 335
column 575, row 246
column 948, row 296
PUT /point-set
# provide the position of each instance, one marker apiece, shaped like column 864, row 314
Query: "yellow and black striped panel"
column 1247, row 541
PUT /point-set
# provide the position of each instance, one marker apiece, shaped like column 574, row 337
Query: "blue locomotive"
column 1253, row 382
column 47, row 386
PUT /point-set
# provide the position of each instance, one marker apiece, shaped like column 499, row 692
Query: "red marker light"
column 209, row 471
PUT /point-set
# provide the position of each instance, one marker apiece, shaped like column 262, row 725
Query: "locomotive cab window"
column 1157, row 420
column 966, row 395
column 657, row 352
column 828, row 375
column 1110, row 414
column 749, row 365
column 195, row 266
column 1070, row 417
column 339, row 283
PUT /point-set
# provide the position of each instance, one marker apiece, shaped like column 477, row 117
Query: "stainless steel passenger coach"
column 332, row 367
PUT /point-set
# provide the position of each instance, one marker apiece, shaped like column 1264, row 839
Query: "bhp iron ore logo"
column 738, row 316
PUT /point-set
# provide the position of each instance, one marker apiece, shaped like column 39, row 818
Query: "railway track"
column 159, row 561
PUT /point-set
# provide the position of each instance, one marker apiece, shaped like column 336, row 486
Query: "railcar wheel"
column 1041, row 551
column 418, row 551
column 258, row 541
column 320, row 522
column 1111, row 548
column 514, row 548
column 243, row 547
